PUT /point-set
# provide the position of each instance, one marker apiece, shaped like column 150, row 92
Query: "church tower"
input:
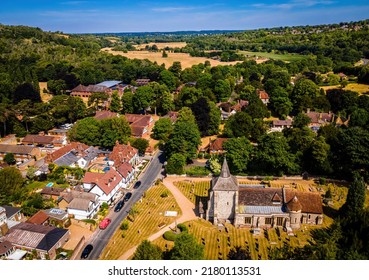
column 223, row 197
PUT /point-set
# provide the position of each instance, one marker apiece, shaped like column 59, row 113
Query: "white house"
column 104, row 185
column 127, row 172
column 80, row 205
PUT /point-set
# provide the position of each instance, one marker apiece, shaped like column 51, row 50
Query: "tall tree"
column 162, row 129
column 239, row 152
column 186, row 248
column 115, row 103
column 355, row 198
column 147, row 251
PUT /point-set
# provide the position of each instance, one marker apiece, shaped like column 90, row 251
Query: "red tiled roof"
column 282, row 122
column 124, row 169
column 38, row 139
column 80, row 147
column 310, row 202
column 240, row 105
column 101, row 115
column 138, row 123
column 109, row 181
column 316, row 117
column 263, row 94
column 122, row 153
column 217, row 144
column 39, row 218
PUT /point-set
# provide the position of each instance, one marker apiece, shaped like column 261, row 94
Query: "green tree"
column 9, row 159
column 222, row 90
column 86, row 131
column 238, row 125
column 169, row 79
column 239, row 253
column 11, row 185
column 185, row 137
column 239, row 152
column 301, row 120
column 186, row 248
column 207, row 116
column 57, row 86
column 147, row 251
column 162, row 129
column 176, row 68
column 175, row 164
column 355, row 198
column 127, row 102
column 97, row 100
column 303, row 94
column 142, row 98
column 115, row 103
column 140, row 144
column 112, row 130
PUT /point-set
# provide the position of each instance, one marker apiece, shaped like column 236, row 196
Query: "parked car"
column 127, row 196
column 104, row 223
column 119, row 206
column 86, row 251
column 137, row 185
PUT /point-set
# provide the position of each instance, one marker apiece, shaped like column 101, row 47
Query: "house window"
column 248, row 220
column 268, row 221
column 280, row 221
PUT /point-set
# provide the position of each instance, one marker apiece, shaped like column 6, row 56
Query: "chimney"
column 308, row 110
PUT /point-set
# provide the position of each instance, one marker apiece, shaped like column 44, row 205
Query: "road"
column 100, row 238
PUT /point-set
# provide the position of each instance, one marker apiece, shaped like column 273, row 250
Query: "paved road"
column 100, row 238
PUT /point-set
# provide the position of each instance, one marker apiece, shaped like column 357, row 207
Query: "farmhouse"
column 257, row 206
column 318, row 119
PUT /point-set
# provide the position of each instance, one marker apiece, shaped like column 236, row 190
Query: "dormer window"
column 276, row 199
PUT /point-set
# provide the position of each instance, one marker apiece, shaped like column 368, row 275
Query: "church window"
column 248, row 220
column 279, row 221
column 268, row 221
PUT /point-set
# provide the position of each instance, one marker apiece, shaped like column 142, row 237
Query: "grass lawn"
column 360, row 88
column 285, row 57
column 150, row 215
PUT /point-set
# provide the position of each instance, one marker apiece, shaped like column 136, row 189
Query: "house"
column 40, row 218
column 44, row 140
column 216, row 146
column 240, row 105
column 79, row 205
column 86, row 91
column 13, row 213
column 127, row 172
column 279, row 125
column 256, row 206
column 73, row 155
column 21, row 153
column 104, row 185
column 9, row 217
column 264, row 96
column 226, row 110
column 318, row 119
column 142, row 82
column 44, row 240
column 51, row 193
column 123, row 153
column 105, row 114
column 140, row 124
column 6, row 249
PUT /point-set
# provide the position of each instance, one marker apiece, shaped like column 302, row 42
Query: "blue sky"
column 163, row 15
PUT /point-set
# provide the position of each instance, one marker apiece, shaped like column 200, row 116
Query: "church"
column 258, row 206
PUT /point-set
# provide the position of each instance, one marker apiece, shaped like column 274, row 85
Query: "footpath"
column 187, row 208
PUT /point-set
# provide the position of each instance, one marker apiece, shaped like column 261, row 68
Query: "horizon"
column 113, row 16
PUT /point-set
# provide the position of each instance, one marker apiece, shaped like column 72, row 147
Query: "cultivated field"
column 263, row 56
column 186, row 60
column 162, row 46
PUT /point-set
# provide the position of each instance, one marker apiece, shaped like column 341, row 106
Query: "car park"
column 86, row 251
column 119, row 206
column 127, row 196
column 104, row 223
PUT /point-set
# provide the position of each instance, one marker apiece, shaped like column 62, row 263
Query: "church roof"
column 226, row 181
column 294, row 204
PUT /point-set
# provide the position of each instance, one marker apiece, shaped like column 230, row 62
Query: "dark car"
column 127, row 196
column 86, row 251
column 137, row 185
column 119, row 206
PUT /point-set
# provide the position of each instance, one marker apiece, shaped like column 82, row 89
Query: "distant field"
column 284, row 57
column 162, row 45
column 360, row 88
column 45, row 97
column 186, row 60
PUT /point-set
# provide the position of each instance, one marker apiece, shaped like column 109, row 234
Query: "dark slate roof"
column 51, row 238
column 226, row 181
column 259, row 196
column 11, row 211
column 67, row 160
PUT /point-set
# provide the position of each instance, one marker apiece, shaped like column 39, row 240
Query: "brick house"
column 21, row 153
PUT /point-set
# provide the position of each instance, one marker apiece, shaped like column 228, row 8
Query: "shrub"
column 197, row 171
column 89, row 221
column 182, row 227
column 164, row 194
column 124, row 225
column 170, row 235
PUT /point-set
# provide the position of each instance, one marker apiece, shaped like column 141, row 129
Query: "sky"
column 164, row 15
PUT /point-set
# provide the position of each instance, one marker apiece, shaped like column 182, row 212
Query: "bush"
column 89, row 221
column 182, row 227
column 164, row 194
column 197, row 171
column 170, row 235
column 124, row 225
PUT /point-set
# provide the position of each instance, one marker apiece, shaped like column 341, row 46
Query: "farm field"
column 162, row 45
column 186, row 60
column 360, row 88
column 284, row 57
column 149, row 215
